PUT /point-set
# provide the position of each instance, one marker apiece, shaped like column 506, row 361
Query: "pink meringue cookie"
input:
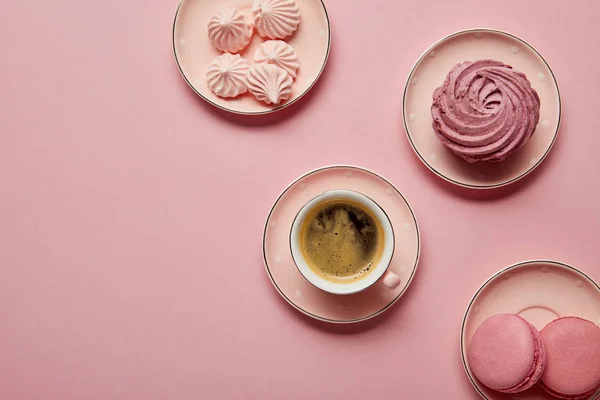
column 226, row 75
column 278, row 52
column 269, row 83
column 229, row 30
column 275, row 19
column 485, row 110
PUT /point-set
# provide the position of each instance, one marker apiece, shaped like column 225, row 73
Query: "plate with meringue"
column 481, row 108
column 251, row 56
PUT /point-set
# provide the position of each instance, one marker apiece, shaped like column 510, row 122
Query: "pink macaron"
column 573, row 352
column 507, row 354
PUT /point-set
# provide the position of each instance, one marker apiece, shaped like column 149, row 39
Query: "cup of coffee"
column 343, row 242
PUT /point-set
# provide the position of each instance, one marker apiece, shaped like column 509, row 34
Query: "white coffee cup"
column 380, row 270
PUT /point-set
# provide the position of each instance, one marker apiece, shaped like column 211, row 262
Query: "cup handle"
column 391, row 280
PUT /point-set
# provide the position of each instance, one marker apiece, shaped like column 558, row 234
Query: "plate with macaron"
column 251, row 56
column 531, row 332
column 481, row 108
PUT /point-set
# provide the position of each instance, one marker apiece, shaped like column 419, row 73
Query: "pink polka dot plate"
column 539, row 291
column 194, row 51
column 429, row 73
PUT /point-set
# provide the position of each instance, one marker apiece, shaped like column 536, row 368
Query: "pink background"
column 131, row 212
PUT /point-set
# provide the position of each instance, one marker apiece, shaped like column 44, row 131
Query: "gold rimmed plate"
column 194, row 51
column 429, row 73
column 539, row 291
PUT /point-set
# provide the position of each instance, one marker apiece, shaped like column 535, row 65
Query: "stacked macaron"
column 509, row 355
column 573, row 348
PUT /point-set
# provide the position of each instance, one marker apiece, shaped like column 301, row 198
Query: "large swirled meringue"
column 275, row 19
column 269, row 83
column 229, row 30
column 278, row 52
column 485, row 110
column 226, row 75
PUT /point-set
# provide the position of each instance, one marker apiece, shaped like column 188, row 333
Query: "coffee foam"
column 341, row 241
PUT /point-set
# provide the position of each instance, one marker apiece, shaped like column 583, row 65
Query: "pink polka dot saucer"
column 539, row 291
column 429, row 73
column 194, row 51
column 305, row 297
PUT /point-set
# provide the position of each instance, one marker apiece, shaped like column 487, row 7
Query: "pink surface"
column 131, row 211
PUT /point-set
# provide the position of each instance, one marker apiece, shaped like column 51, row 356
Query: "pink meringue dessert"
column 226, row 75
column 278, row 52
column 275, row 64
column 269, row 83
column 485, row 110
column 229, row 30
column 275, row 19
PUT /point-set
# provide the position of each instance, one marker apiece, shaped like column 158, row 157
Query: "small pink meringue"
column 269, row 83
column 229, row 30
column 278, row 52
column 226, row 75
column 275, row 19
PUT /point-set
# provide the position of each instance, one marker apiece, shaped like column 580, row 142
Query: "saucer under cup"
column 304, row 296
